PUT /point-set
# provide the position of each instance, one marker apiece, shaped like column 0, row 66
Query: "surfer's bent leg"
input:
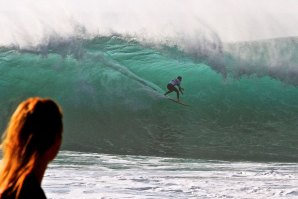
column 170, row 88
column 176, row 90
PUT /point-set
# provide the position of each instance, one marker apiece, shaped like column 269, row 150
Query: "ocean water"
column 108, row 63
column 92, row 175
column 111, row 91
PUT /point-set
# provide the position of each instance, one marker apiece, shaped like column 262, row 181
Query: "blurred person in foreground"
column 31, row 141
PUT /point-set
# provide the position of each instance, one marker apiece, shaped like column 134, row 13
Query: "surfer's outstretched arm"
column 181, row 89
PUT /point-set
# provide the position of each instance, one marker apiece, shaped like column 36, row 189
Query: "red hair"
column 33, row 129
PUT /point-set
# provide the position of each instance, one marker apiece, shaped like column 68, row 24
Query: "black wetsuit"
column 31, row 190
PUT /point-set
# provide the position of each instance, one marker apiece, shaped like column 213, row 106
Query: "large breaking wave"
column 108, row 64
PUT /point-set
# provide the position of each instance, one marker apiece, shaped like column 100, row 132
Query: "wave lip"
column 276, row 58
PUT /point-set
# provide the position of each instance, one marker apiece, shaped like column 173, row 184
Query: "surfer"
column 171, row 87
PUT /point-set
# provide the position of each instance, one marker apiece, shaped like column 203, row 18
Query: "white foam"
column 80, row 175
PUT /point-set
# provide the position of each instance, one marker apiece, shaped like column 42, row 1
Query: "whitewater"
column 107, row 63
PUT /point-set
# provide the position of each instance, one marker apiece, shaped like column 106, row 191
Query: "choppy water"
column 94, row 176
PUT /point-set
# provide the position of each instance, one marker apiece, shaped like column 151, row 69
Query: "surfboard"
column 181, row 103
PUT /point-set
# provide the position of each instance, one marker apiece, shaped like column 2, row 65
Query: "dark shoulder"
column 31, row 189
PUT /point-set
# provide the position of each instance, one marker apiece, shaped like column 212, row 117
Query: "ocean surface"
column 94, row 176
column 108, row 63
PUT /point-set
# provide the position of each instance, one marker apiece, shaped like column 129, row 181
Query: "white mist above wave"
column 186, row 23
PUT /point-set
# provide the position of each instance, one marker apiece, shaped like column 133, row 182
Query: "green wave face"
column 111, row 91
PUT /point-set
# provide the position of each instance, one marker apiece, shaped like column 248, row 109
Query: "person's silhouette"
column 31, row 140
